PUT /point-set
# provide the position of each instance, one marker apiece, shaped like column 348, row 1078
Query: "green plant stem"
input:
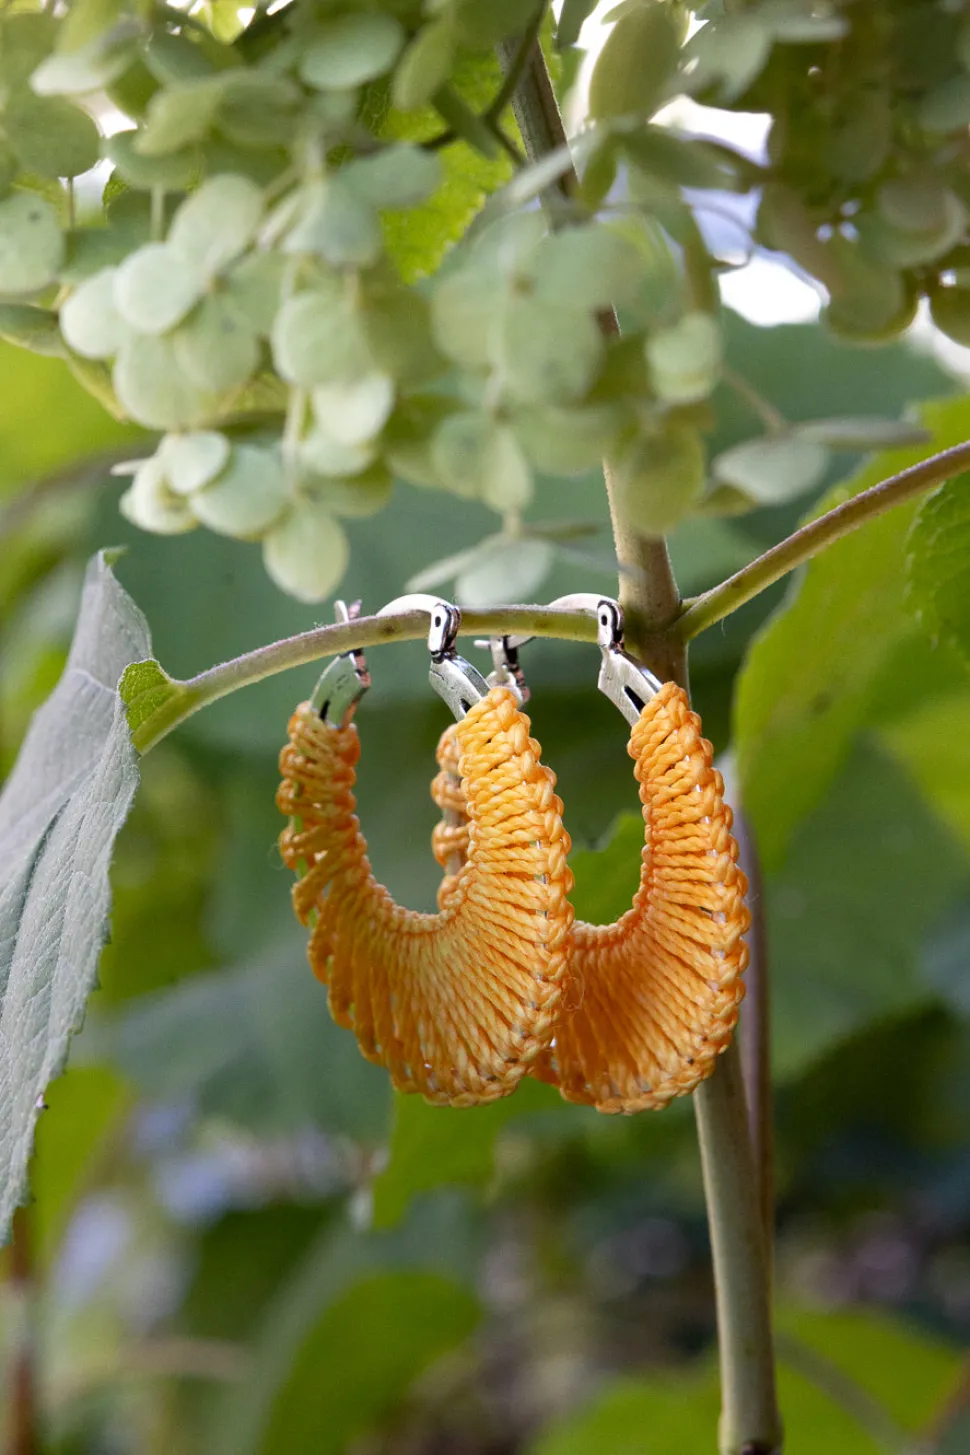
column 703, row 611
column 367, row 631
column 750, row 1424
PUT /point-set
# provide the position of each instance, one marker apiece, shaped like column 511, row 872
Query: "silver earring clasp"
column 625, row 681
column 456, row 681
column 343, row 681
column 506, row 667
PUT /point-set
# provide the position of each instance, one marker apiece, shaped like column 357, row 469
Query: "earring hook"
column 345, row 679
column 456, row 681
column 506, row 667
column 625, row 681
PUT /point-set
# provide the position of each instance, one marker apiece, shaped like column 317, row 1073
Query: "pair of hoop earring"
column 502, row 982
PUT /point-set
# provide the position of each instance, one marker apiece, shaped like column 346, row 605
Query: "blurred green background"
column 243, row 1244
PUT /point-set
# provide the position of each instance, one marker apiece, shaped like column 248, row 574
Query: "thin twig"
column 703, row 611
column 753, row 1031
column 648, row 591
column 367, row 631
column 750, row 1424
column 493, row 111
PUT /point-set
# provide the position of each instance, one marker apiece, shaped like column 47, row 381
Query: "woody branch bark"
column 750, row 1423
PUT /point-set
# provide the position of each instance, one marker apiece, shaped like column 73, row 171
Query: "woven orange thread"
column 653, row 999
column 456, row 1005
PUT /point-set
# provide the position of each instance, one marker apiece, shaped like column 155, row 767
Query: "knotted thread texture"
column 456, row 1005
column 653, row 999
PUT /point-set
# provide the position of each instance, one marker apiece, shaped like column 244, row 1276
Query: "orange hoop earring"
column 652, row 999
column 457, row 1005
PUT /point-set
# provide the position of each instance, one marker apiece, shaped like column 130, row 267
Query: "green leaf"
column 803, row 692
column 354, row 413
column 477, row 457
column 350, row 50
column 659, row 479
column 247, row 497
column 436, row 1147
column 357, row 498
column 215, row 346
column 914, row 739
column 306, row 553
column 217, row 223
column 946, row 107
column 424, row 67
column 636, row 64
column 155, row 288
column 417, row 243
column 569, row 441
column 397, row 176
column 175, row 171
column 937, row 574
column 150, row 696
column 193, row 460
column 337, row 225
column 27, row 40
column 546, row 355
column 685, row 359
column 50, row 136
column 151, row 503
column 362, row 1355
column 179, row 115
column 463, row 308
column 950, row 311
column 898, row 1364
column 253, row 287
column 729, row 49
column 677, row 1413
column 89, row 320
column 571, row 19
column 89, row 69
column 904, row 1371
column 773, row 470
column 865, row 877
column 591, row 266
column 504, row 571
column 330, row 1269
column 30, row 327
column 862, row 432
column 321, row 454
column 62, row 806
column 84, row 1110
column 318, row 339
column 31, row 243
column 254, row 1043
column 153, row 388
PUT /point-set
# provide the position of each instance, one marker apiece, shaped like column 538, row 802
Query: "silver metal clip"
column 456, row 681
column 343, row 681
column 506, row 667
column 622, row 679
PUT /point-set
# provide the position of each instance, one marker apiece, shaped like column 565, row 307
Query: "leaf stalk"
column 700, row 612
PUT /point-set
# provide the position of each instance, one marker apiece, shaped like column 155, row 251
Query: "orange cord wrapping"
column 654, row 998
column 457, row 1005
